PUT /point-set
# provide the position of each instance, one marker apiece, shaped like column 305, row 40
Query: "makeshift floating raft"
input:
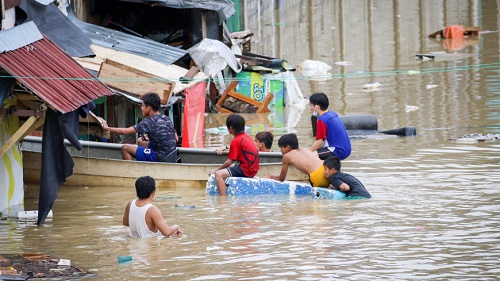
column 263, row 186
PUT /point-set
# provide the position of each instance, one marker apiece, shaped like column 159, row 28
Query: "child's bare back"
column 303, row 159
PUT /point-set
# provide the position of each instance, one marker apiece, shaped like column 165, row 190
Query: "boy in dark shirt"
column 159, row 128
column 342, row 181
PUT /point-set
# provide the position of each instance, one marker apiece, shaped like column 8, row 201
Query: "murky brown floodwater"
column 435, row 211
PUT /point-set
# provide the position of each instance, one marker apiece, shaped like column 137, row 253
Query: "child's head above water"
column 264, row 140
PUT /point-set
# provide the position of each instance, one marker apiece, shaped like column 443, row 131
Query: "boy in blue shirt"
column 331, row 136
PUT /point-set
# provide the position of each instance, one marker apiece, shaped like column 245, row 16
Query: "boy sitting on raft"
column 242, row 149
column 303, row 159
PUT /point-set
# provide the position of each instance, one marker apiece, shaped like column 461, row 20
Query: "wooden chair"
column 232, row 101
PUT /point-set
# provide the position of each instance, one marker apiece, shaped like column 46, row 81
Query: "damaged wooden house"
column 48, row 92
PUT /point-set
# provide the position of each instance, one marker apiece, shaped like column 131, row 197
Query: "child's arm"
column 317, row 144
column 126, row 214
column 284, row 170
column 344, row 187
column 338, row 184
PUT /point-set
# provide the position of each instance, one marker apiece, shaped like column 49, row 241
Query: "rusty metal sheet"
column 52, row 75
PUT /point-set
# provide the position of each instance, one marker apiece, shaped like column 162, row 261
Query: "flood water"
column 435, row 211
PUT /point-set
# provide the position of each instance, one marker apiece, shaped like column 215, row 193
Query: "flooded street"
column 435, row 207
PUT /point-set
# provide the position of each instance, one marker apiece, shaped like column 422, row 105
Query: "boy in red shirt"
column 242, row 149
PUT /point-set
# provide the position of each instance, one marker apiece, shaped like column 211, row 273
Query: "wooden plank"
column 35, row 126
column 22, row 112
column 172, row 72
column 229, row 88
column 265, row 103
column 31, row 124
column 134, row 81
column 190, row 74
column 203, row 24
column 24, row 97
column 246, row 99
column 435, row 34
column 472, row 30
column 253, row 60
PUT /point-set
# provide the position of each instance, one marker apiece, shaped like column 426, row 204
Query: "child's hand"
column 220, row 149
column 178, row 232
column 102, row 122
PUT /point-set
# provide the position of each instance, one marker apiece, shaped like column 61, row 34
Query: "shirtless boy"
column 303, row 159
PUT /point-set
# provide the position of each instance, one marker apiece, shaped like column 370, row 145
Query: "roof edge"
column 19, row 36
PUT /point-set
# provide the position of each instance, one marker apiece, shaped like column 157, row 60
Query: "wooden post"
column 31, row 124
column 203, row 24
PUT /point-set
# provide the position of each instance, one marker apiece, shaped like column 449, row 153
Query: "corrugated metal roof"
column 120, row 41
column 20, row 36
column 225, row 8
column 50, row 73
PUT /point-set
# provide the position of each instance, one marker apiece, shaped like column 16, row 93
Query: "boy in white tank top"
column 144, row 219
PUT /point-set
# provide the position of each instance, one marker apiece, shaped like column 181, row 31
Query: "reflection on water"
column 435, row 210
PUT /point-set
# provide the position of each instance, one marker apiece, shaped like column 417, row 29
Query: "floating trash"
column 315, row 70
column 31, row 216
column 473, row 138
column 413, row 72
column 370, row 87
column 122, row 259
column 164, row 197
column 343, row 63
column 409, row 108
column 313, row 65
column 183, row 206
column 431, row 86
column 64, row 262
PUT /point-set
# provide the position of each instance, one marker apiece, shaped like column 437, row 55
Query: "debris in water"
column 370, row 87
column 473, row 138
column 27, row 265
column 122, row 259
column 409, row 108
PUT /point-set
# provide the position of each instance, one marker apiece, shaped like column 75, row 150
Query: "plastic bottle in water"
column 372, row 86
